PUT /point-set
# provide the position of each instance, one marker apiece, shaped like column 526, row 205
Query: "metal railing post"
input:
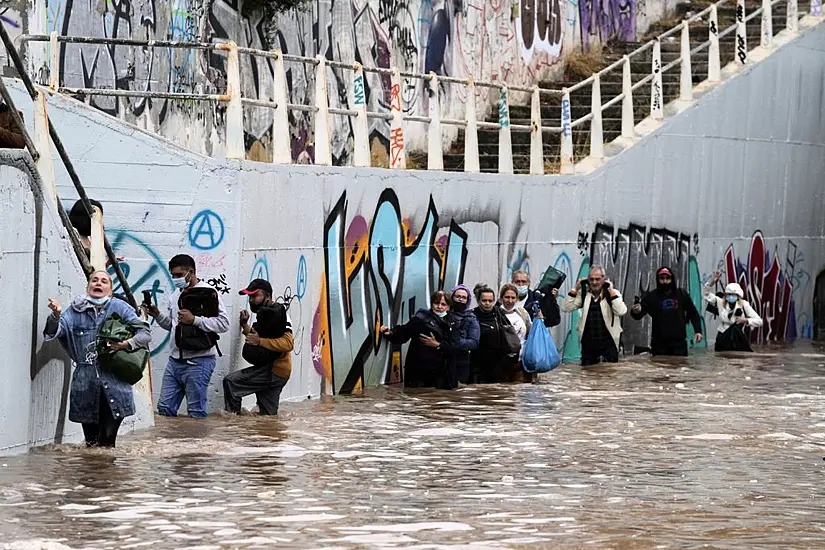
column 792, row 18
column 323, row 153
column 235, row 148
column 741, row 33
column 714, row 64
column 505, row 140
column 44, row 163
column 628, row 122
column 767, row 25
column 398, row 157
column 97, row 254
column 566, row 150
column 54, row 62
column 596, row 127
column 435, row 155
column 358, row 98
column 281, row 141
column 471, row 161
column 536, row 148
column 686, row 78
column 656, row 100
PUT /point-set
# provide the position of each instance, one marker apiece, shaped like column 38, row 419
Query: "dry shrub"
column 580, row 65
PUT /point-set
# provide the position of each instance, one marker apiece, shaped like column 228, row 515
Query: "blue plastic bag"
column 540, row 353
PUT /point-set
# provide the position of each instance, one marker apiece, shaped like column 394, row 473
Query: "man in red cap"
column 670, row 308
column 268, row 347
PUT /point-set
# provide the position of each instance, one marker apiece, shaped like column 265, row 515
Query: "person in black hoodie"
column 430, row 361
column 466, row 330
column 670, row 308
column 489, row 360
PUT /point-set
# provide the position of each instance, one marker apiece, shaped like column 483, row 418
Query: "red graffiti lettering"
column 395, row 102
column 766, row 287
column 396, row 145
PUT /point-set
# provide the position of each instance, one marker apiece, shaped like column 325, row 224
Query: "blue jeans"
column 189, row 378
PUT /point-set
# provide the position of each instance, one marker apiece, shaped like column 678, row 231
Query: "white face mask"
column 98, row 301
column 179, row 283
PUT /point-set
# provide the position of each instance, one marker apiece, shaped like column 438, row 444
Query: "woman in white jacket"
column 735, row 313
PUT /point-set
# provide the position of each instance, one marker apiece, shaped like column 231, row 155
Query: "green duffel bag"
column 125, row 365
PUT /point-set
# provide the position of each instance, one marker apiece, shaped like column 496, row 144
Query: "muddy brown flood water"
column 704, row 452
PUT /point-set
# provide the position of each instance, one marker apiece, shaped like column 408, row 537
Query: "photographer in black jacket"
column 670, row 308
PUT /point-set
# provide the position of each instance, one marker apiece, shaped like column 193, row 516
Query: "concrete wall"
column 490, row 40
column 733, row 183
column 36, row 262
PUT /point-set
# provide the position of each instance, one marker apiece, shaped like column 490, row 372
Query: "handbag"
column 510, row 342
column 125, row 365
column 540, row 353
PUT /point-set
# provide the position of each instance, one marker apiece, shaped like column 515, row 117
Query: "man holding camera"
column 670, row 307
column 267, row 347
column 195, row 316
column 599, row 330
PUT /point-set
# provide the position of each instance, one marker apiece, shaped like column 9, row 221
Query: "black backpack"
column 270, row 322
column 202, row 302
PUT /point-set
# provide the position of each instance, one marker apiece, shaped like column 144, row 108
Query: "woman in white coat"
column 735, row 313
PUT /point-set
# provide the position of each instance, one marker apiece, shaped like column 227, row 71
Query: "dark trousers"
column 261, row 381
column 104, row 433
column 672, row 348
column 608, row 353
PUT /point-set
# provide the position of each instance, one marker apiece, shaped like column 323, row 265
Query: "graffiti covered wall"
column 517, row 41
column 351, row 249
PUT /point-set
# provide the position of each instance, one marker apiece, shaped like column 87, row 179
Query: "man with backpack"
column 268, row 348
column 195, row 316
column 670, row 308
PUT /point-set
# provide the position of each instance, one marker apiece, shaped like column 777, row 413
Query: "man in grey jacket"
column 188, row 372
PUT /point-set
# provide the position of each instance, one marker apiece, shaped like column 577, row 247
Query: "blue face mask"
column 522, row 291
column 179, row 283
column 440, row 313
column 98, row 301
column 731, row 298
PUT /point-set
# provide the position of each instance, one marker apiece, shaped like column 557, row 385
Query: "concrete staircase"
column 611, row 86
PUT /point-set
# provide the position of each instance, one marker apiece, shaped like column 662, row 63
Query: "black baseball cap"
column 255, row 286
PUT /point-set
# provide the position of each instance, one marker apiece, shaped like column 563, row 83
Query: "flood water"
column 701, row 452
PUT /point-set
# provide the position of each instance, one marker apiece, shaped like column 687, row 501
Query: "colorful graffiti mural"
column 768, row 286
column 378, row 272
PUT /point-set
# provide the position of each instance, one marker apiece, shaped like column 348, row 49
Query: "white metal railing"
column 357, row 100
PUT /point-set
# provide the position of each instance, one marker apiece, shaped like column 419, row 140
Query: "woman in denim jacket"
column 98, row 400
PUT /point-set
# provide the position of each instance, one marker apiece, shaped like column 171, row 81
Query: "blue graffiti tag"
column 260, row 269
column 206, row 230
column 301, row 282
column 154, row 278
